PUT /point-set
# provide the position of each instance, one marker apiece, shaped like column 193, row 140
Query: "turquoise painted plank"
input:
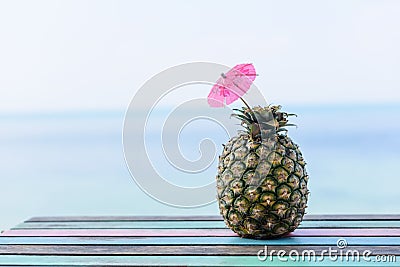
column 123, row 225
column 329, row 241
column 186, row 260
column 193, row 224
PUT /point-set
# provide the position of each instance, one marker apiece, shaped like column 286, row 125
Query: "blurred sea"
column 72, row 163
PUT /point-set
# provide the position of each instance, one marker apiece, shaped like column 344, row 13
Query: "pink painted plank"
column 196, row 232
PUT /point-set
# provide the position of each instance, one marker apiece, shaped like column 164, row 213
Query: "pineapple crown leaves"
column 267, row 119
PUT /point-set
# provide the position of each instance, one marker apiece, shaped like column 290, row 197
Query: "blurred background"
column 68, row 70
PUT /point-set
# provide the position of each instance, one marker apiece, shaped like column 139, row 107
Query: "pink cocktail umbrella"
column 232, row 85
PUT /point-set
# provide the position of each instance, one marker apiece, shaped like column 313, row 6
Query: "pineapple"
column 261, row 180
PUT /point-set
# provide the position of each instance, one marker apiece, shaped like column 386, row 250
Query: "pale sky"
column 78, row 55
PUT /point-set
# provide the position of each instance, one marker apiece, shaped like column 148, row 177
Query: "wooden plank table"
column 199, row 240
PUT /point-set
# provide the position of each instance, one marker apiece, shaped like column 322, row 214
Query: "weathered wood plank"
column 195, row 232
column 193, row 224
column 120, row 232
column 123, row 225
column 300, row 240
column 179, row 260
column 147, row 250
column 312, row 217
column 124, row 218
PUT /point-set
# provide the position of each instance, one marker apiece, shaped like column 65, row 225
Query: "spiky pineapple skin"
column 257, row 201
